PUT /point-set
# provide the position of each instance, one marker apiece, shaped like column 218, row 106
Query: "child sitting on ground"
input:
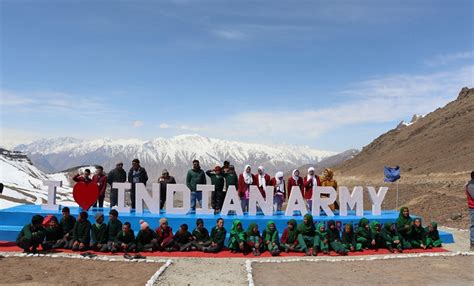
column 334, row 238
column 377, row 237
column 81, row 235
column 146, row 239
column 31, row 235
column 362, row 233
column 238, row 237
column 114, row 227
column 418, row 235
column 321, row 240
column 99, row 233
column 183, row 238
column 201, row 237
column 66, row 224
column 218, row 234
column 306, row 234
column 125, row 240
column 271, row 239
column 404, row 227
column 392, row 238
column 289, row 238
column 432, row 235
column 53, row 232
column 348, row 239
column 165, row 236
column 254, row 239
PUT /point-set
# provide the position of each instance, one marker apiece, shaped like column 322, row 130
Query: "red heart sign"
column 85, row 195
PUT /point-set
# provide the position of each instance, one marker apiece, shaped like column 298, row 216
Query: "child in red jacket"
column 279, row 191
column 289, row 238
column 310, row 181
column 165, row 236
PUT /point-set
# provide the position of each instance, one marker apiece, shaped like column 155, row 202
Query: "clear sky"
column 329, row 74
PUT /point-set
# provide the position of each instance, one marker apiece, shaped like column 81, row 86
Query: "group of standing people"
column 221, row 177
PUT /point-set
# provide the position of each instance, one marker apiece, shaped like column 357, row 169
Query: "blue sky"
column 329, row 74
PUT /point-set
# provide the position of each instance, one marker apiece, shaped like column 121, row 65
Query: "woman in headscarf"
column 391, row 237
column 328, row 181
column 271, row 239
column 418, row 235
column 363, row 235
column 306, row 232
column 335, row 238
column 279, row 191
column 348, row 239
column 295, row 180
column 263, row 180
column 246, row 179
column 432, row 235
column 289, row 238
column 404, row 227
column 254, row 239
column 310, row 181
column 321, row 240
column 237, row 238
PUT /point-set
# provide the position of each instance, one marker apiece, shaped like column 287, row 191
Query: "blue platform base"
column 13, row 219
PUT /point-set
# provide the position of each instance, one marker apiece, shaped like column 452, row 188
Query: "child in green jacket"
column 53, row 232
column 125, row 240
column 254, row 239
column 377, row 238
column 238, row 237
column 146, row 239
column 306, row 234
column 349, row 239
column 81, row 234
column 289, row 238
column 418, row 235
column 321, row 240
column 218, row 234
column 66, row 224
column 271, row 239
column 362, row 233
column 99, row 233
column 201, row 236
column 432, row 235
column 183, row 238
column 31, row 235
column 392, row 238
column 334, row 238
column 114, row 227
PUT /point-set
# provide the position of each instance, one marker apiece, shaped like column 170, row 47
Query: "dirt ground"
column 408, row 271
column 69, row 271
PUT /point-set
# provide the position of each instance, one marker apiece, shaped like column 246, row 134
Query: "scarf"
column 308, row 228
column 250, row 231
column 361, row 230
column 292, row 234
column 280, row 185
column 402, row 220
column 270, row 235
column 234, row 230
column 348, row 237
column 312, row 177
column 318, row 230
column 248, row 178
column 294, row 176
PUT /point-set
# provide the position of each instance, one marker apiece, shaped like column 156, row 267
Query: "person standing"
column 218, row 181
column 100, row 179
column 328, row 181
column 225, row 167
column 83, row 177
column 195, row 176
column 309, row 182
column 295, row 180
column 279, row 191
column 137, row 174
column 263, row 180
column 246, row 179
column 231, row 179
column 470, row 202
column 164, row 180
column 117, row 175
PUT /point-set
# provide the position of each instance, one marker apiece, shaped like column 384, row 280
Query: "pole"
column 396, row 204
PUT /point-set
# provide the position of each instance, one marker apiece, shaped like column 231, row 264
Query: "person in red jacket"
column 470, row 202
column 101, row 180
column 295, row 180
column 165, row 236
column 310, row 181
column 246, row 179
column 279, row 191
column 83, row 177
column 263, row 180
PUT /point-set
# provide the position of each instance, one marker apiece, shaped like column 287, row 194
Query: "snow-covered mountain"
column 174, row 154
column 23, row 182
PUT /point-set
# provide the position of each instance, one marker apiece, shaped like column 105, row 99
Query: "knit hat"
column 48, row 219
column 143, row 225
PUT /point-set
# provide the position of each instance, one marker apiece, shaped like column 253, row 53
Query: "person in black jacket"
column 117, row 175
column 137, row 174
column 164, row 180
